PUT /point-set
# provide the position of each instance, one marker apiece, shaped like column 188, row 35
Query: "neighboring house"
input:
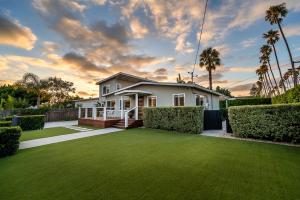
column 122, row 95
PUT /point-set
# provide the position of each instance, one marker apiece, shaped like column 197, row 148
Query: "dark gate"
column 212, row 120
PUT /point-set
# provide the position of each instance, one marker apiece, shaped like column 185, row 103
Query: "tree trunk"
column 275, row 53
column 277, row 88
column 210, row 79
column 290, row 54
column 264, row 87
column 267, row 85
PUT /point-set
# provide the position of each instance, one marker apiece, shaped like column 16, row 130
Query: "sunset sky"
column 84, row 41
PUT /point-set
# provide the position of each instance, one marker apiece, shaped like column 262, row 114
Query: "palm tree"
column 210, row 59
column 33, row 83
column 260, row 74
column 272, row 37
column 275, row 15
column 266, row 50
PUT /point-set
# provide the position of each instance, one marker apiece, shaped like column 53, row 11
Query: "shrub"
column 181, row 119
column 270, row 122
column 246, row 101
column 31, row 122
column 290, row 96
column 5, row 123
column 9, row 140
column 8, row 118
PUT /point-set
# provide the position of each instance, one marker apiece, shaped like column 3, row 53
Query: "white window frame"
column 111, row 100
column 173, row 95
column 204, row 99
column 107, row 86
column 148, row 100
column 119, row 85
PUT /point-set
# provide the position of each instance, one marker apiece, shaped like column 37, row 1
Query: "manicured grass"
column 47, row 132
column 85, row 126
column 152, row 164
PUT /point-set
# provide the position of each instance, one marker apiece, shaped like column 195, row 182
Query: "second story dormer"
column 117, row 82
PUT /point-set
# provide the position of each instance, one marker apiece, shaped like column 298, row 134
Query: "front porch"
column 116, row 114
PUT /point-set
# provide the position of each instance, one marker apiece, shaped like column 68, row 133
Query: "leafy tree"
column 272, row 37
column 224, row 91
column 210, row 58
column 275, row 15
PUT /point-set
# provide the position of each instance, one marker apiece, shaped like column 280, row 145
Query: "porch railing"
column 127, row 115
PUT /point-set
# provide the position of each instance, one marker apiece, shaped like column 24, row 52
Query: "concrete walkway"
column 67, row 137
column 60, row 124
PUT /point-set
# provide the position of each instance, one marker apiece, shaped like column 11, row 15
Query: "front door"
column 141, row 106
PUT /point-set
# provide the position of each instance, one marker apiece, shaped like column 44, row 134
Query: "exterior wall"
column 165, row 95
column 86, row 103
column 113, row 83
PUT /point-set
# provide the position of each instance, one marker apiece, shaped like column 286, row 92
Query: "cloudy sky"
column 85, row 40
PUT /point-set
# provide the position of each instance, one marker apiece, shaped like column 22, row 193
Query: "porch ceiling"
column 133, row 92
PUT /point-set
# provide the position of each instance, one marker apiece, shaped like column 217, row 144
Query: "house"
column 122, row 97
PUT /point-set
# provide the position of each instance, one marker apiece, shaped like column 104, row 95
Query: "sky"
column 84, row 41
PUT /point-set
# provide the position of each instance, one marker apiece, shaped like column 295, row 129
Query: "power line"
column 198, row 47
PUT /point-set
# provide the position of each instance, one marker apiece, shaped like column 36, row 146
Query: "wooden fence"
column 65, row 114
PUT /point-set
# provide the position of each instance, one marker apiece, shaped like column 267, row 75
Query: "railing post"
column 122, row 108
column 79, row 112
column 136, row 106
column 94, row 112
column 126, row 119
column 85, row 112
column 104, row 113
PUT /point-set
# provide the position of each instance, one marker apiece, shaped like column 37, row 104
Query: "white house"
column 122, row 97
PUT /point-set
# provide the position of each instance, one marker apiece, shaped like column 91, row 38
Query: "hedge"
column 31, row 122
column 181, row 119
column 5, row 123
column 245, row 101
column 270, row 122
column 290, row 96
column 9, row 140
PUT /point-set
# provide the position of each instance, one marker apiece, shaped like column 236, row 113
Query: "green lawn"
column 47, row 132
column 152, row 164
column 86, row 126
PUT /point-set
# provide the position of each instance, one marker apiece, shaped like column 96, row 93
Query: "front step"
column 131, row 123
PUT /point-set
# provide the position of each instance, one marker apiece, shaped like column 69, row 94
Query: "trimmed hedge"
column 31, row 122
column 269, row 122
column 245, row 101
column 290, row 96
column 9, row 140
column 5, row 123
column 181, row 119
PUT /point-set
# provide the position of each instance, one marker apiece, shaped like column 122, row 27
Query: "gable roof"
column 167, row 84
column 122, row 75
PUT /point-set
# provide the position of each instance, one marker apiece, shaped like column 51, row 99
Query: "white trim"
column 124, row 74
column 108, row 86
column 148, row 100
column 178, row 94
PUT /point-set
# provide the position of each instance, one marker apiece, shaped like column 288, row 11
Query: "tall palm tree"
column 275, row 15
column 210, row 58
column 265, row 51
column 260, row 74
column 33, row 83
column 272, row 37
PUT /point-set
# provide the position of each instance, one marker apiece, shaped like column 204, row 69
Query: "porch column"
column 104, row 113
column 122, row 108
column 94, row 112
column 85, row 112
column 137, row 106
column 79, row 112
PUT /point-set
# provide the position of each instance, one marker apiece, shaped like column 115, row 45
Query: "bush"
column 181, row 119
column 8, row 118
column 31, row 122
column 9, row 140
column 290, row 96
column 246, row 101
column 5, row 123
column 269, row 122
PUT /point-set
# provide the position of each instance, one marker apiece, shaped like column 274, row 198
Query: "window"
column 152, row 101
column 110, row 105
column 118, row 86
column 105, row 89
column 178, row 99
column 200, row 100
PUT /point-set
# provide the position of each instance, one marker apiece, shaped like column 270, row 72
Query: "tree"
column 210, row 59
column 59, row 90
column 179, row 80
column 272, row 37
column 224, row 91
column 265, row 51
column 261, row 72
column 275, row 15
column 254, row 90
